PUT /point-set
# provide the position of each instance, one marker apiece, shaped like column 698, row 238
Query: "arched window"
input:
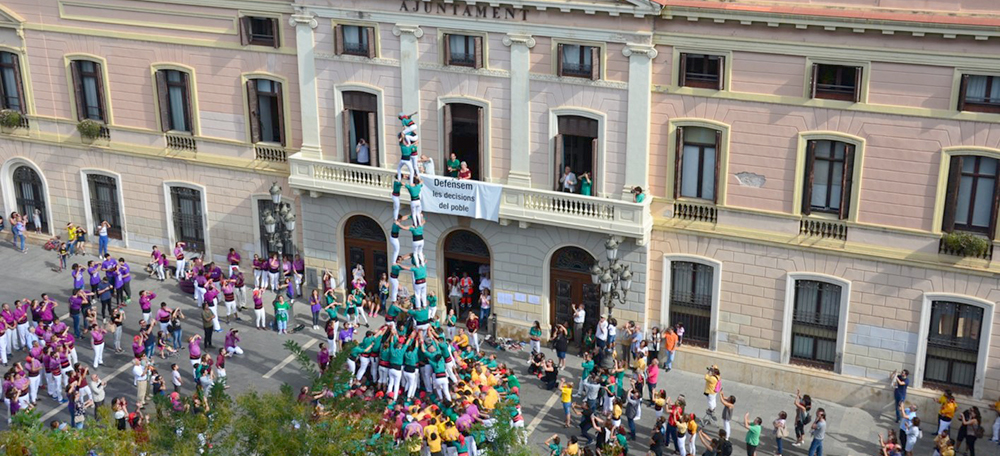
column 29, row 194
column 365, row 244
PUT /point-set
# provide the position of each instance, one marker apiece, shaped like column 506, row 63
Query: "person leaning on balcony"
column 586, row 184
column 464, row 173
column 637, row 194
column 568, row 181
column 452, row 165
column 362, row 151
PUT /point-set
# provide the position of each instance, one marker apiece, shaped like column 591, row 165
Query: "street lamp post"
column 270, row 220
column 615, row 280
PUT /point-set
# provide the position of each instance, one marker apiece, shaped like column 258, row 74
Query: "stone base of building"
column 872, row 396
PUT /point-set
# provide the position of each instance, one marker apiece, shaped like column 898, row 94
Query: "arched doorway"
column 571, row 284
column 466, row 253
column 365, row 244
column 29, row 195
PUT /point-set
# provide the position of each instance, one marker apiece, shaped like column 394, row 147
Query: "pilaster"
column 409, row 54
column 639, row 106
column 520, row 108
column 308, row 92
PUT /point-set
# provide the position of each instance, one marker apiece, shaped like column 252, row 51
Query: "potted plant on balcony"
column 89, row 129
column 9, row 120
column 965, row 244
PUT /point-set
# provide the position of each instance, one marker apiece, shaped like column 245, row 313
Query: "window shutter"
column 847, row 182
column 163, row 99
column 447, row 49
column 345, row 121
column 558, row 159
column 281, row 112
column 812, row 82
column 857, row 84
column 338, row 39
column 81, row 106
column 370, row 31
column 678, row 161
column 447, row 132
column 595, row 63
column 99, row 78
column 559, row 60
column 807, row 185
column 593, row 164
column 718, row 167
column 254, row 110
column 373, row 138
column 951, row 194
column 722, row 73
column 245, row 30
column 188, row 101
column 993, row 213
column 19, row 83
column 962, row 88
column 478, row 43
column 682, row 74
column 274, row 33
column 483, row 164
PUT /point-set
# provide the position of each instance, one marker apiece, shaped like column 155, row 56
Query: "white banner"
column 468, row 198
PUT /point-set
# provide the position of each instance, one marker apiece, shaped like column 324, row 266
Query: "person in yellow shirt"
column 462, row 340
column 712, row 380
column 566, row 396
column 433, row 438
column 492, row 398
column 947, row 411
column 692, row 434
column 71, row 238
column 573, row 449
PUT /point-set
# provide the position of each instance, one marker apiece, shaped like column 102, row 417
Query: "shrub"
column 89, row 128
column 966, row 244
column 10, row 118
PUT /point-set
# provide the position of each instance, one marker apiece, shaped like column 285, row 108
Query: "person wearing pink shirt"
column 652, row 374
column 146, row 303
column 179, row 255
column 234, row 261
column 194, row 349
column 97, row 338
column 163, row 317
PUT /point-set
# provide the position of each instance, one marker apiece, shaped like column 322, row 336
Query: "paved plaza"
column 266, row 365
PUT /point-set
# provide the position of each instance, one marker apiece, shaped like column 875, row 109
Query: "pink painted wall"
column 781, row 75
column 918, row 5
column 920, row 86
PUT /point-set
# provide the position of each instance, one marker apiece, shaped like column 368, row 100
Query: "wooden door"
column 365, row 244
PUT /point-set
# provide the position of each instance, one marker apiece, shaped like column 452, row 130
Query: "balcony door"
column 467, row 253
column 365, row 244
column 360, row 122
column 576, row 148
column 463, row 136
column 570, row 284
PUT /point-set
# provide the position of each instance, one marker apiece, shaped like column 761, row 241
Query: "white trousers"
column 996, row 430
column 273, row 277
column 241, row 296
column 420, row 292
column 364, row 366
column 230, row 308
column 682, row 444
column 22, row 335
column 383, row 375
column 351, row 366
column 711, row 402
column 474, row 338
column 4, row 348
column 394, row 242
column 399, row 170
column 427, row 377
column 942, row 425
column 418, row 252
column 259, row 318
column 234, row 350
column 199, row 295
column 410, row 383
column 73, row 359
column 98, row 355
column 450, row 370
column 11, row 336
column 50, row 384
column 258, row 277
column 416, row 211
column 158, row 270
column 33, row 383
column 180, row 269
column 215, row 320
column 395, row 376
column 393, row 289
column 395, row 207
column 441, row 388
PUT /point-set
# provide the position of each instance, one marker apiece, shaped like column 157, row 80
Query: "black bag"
column 725, row 448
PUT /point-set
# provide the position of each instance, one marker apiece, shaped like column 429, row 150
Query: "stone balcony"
column 520, row 205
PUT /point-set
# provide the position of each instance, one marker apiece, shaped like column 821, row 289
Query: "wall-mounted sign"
column 507, row 13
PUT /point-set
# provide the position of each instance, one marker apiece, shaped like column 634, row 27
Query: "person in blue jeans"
column 900, row 382
column 102, row 233
column 818, row 433
column 18, row 229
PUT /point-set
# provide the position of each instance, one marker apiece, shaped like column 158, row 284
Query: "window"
column 815, row 322
column 971, row 197
column 836, row 82
column 360, row 123
column 11, row 90
column 267, row 113
column 579, row 61
column 259, row 31
column 463, row 126
column 173, row 93
column 576, row 149
column 691, row 287
column 979, row 93
column 188, row 217
column 697, row 163
column 953, row 345
column 104, row 203
column 463, row 50
column 88, row 84
column 702, row 71
column 355, row 40
column 29, row 196
column 829, row 176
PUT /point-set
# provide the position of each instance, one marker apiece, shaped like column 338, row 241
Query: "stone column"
column 308, row 93
column 409, row 54
column 639, row 95
column 520, row 108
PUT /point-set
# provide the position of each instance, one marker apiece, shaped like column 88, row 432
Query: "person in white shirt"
column 579, row 318
column 428, row 165
column 485, row 283
column 141, row 381
column 568, row 181
column 602, row 333
column 362, row 151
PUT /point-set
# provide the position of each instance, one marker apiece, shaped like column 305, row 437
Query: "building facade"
column 194, row 110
